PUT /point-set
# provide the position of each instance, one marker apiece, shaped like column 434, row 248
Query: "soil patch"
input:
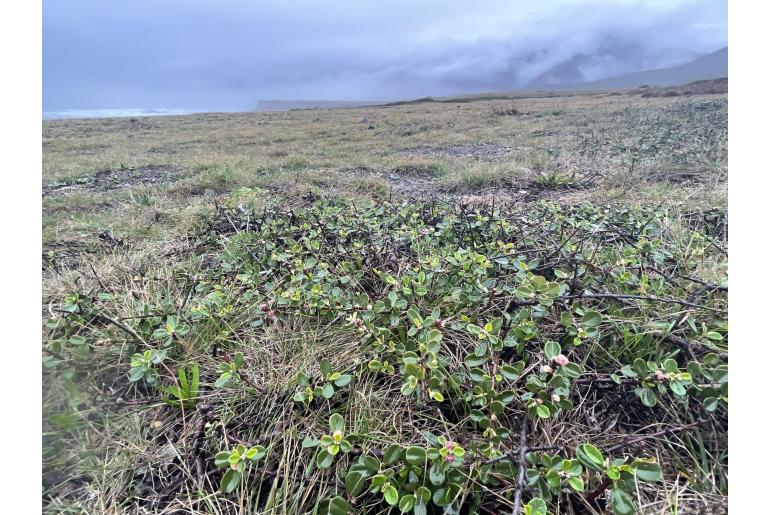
column 415, row 182
column 486, row 151
column 172, row 148
column 681, row 174
column 418, row 126
column 412, row 181
column 113, row 179
column 68, row 254
column 413, row 185
column 545, row 133
column 72, row 210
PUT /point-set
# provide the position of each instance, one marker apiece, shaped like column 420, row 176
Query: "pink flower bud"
column 555, row 398
column 450, row 445
column 271, row 314
column 450, row 458
column 659, row 375
column 561, row 360
column 546, row 369
column 263, row 307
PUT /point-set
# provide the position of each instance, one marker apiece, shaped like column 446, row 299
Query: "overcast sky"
column 228, row 54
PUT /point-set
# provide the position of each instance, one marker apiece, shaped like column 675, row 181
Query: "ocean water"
column 112, row 113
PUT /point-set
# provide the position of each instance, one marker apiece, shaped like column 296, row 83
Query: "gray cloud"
column 229, row 54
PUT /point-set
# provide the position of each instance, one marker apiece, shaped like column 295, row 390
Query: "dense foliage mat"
column 358, row 358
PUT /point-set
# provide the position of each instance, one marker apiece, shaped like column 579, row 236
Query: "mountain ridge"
column 708, row 66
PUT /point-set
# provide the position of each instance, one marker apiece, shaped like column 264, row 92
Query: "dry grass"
column 304, row 150
column 120, row 457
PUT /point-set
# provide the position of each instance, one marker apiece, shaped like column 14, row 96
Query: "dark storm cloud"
column 228, row 54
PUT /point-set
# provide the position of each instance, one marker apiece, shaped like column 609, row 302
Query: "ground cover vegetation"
column 476, row 307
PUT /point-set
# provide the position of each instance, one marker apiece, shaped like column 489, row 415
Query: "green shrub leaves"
column 590, row 456
column 479, row 318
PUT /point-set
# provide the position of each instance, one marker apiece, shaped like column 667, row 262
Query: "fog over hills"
column 568, row 75
column 228, row 55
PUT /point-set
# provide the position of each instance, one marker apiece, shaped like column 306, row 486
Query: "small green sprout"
column 332, row 381
column 236, row 461
column 332, row 444
column 171, row 328
column 623, row 474
column 186, row 393
column 142, row 366
column 229, row 371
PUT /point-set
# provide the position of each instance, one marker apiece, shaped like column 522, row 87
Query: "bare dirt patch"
column 418, row 126
column 545, row 133
column 413, row 184
column 173, row 148
column 69, row 254
column 71, row 210
column 683, row 174
column 485, row 151
column 412, row 181
column 416, row 182
column 507, row 193
column 113, row 179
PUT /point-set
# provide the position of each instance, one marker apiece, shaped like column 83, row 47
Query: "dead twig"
column 591, row 498
column 120, row 325
column 522, row 467
column 650, row 298
column 670, row 430
column 205, row 411
column 510, row 454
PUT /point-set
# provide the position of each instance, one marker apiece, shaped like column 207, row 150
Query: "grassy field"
column 458, row 306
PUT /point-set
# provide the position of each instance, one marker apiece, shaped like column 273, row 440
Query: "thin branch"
column 120, row 325
column 206, row 415
column 651, row 298
column 688, row 345
column 522, row 467
column 599, row 490
column 510, row 454
column 670, row 430
column 514, row 302
column 591, row 498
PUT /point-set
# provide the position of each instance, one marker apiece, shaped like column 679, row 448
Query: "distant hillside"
column 709, row 66
column 569, row 75
column 699, row 87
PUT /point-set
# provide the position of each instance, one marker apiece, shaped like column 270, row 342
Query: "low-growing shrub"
column 471, row 349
